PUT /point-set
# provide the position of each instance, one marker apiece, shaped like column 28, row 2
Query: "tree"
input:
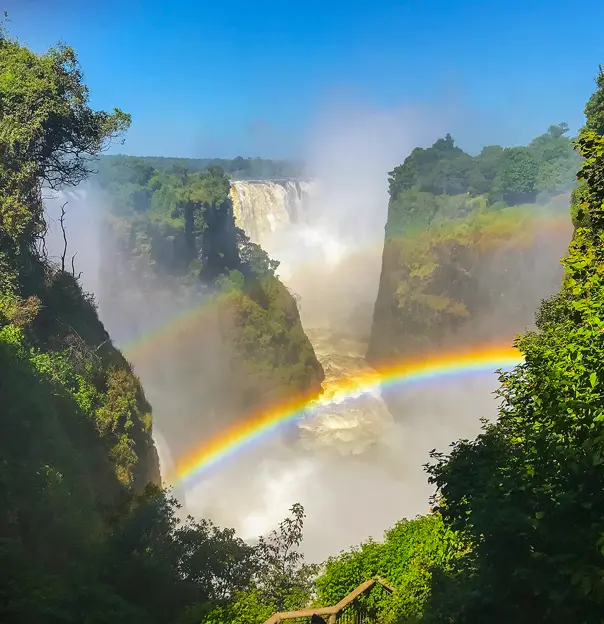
column 529, row 491
column 254, row 259
column 209, row 217
column 48, row 132
column 167, row 566
column 557, row 131
column 486, row 167
column 441, row 168
column 594, row 109
column 413, row 556
column 284, row 580
column 518, row 178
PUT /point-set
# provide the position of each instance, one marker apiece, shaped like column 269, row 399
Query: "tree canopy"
column 514, row 175
column 48, row 133
column 528, row 491
column 86, row 532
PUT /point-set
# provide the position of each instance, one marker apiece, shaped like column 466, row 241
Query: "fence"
column 349, row 610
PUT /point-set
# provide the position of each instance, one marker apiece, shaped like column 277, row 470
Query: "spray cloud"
column 356, row 470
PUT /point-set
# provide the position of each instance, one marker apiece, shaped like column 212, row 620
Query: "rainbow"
column 257, row 426
column 162, row 334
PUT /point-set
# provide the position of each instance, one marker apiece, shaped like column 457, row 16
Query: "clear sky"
column 211, row 78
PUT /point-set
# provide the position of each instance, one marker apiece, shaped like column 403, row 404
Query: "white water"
column 283, row 218
column 354, row 468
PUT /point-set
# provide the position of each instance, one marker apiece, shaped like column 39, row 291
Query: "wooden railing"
column 347, row 611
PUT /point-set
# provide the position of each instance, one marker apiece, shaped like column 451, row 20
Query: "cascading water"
column 278, row 215
column 262, row 208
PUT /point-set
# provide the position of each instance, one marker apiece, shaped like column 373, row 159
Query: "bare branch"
column 73, row 267
column 62, row 221
column 42, row 250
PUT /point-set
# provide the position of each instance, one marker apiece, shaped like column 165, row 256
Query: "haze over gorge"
column 359, row 441
column 359, row 378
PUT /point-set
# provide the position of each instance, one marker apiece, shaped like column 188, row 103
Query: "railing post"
column 332, row 619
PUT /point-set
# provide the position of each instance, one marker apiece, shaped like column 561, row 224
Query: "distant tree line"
column 237, row 168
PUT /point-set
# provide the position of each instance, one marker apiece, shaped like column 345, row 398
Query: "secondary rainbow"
column 162, row 335
column 255, row 427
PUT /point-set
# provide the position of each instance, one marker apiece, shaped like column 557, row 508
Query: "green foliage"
column 281, row 580
column 48, row 132
column 440, row 169
column 413, row 554
column 246, row 608
column 513, row 175
column 594, row 109
column 263, row 325
column 528, row 491
column 170, row 568
column 57, row 479
column 284, row 580
column 485, row 170
column 458, row 229
column 518, row 177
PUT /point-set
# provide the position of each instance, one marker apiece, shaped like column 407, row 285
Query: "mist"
column 355, row 465
column 83, row 214
column 89, row 256
column 334, row 262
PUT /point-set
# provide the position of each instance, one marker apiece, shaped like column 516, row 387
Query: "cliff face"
column 215, row 358
column 465, row 260
column 50, row 326
column 210, row 329
column 75, row 440
column 466, row 281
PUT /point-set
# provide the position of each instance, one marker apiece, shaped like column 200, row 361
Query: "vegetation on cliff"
column 528, row 491
column 176, row 246
column 86, row 535
column 462, row 233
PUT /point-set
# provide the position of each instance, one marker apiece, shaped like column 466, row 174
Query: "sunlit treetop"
column 48, row 131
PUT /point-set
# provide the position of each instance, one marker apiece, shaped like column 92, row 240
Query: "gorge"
column 280, row 352
column 332, row 268
column 354, row 445
column 281, row 216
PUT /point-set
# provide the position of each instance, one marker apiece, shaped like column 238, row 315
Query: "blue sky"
column 250, row 77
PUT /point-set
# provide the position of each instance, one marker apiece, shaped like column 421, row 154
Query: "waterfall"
column 261, row 208
column 317, row 265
